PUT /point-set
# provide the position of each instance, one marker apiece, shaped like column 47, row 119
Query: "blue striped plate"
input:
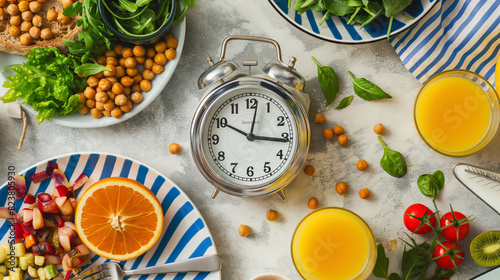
column 337, row 30
column 185, row 234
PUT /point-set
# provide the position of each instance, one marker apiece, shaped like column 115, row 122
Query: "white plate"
column 185, row 234
column 87, row 121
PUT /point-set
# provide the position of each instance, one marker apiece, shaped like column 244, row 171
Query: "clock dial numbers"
column 251, row 143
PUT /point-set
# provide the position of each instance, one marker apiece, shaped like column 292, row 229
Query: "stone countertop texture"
column 146, row 138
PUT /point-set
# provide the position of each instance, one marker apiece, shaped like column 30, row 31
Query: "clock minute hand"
column 237, row 130
column 265, row 138
column 250, row 135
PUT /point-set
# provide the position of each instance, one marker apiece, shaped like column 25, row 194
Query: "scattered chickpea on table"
column 174, row 148
column 341, row 188
column 244, row 230
column 309, row 170
column 312, row 203
column 272, row 215
column 364, row 193
column 361, row 165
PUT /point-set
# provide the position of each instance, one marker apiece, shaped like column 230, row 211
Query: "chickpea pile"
column 112, row 93
column 26, row 23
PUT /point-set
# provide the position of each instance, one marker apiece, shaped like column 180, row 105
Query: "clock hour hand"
column 237, row 130
column 275, row 139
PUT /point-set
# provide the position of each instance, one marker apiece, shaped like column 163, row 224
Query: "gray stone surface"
column 146, row 138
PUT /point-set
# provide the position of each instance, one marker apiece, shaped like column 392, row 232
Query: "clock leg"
column 282, row 194
column 215, row 193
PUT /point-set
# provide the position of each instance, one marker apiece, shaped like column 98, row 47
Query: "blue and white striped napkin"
column 455, row 34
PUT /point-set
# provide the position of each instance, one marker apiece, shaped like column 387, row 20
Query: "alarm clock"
column 250, row 134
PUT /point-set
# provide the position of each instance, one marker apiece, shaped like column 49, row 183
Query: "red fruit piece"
column 39, row 177
column 448, row 255
column 416, row 216
column 454, row 226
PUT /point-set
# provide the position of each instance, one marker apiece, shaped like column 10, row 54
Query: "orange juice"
column 456, row 113
column 333, row 243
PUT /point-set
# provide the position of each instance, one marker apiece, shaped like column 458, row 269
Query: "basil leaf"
column 412, row 263
column 89, row 69
column 73, row 10
column 395, row 276
column 440, row 177
column 381, row 268
column 392, row 162
column 344, row 103
column 328, row 81
column 428, row 185
column 367, row 90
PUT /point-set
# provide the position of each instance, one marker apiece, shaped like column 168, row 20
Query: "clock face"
column 249, row 138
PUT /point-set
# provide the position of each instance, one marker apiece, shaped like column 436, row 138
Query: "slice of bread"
column 12, row 45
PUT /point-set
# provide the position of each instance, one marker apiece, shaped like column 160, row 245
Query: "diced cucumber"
column 3, row 255
column 23, row 263
column 51, row 271
column 19, row 250
column 16, row 273
column 41, row 273
column 32, row 273
column 39, row 260
column 31, row 259
column 3, row 270
column 12, row 262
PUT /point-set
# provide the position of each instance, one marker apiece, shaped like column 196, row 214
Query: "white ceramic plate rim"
column 363, row 41
column 87, row 121
column 138, row 162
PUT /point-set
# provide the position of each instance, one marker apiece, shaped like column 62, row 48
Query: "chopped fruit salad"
column 44, row 235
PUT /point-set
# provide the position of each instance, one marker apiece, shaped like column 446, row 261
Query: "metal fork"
column 114, row 271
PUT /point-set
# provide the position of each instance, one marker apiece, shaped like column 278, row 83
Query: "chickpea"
column 140, row 59
column 364, row 193
column 130, row 62
column 174, row 148
column 116, row 113
column 131, row 71
column 127, row 52
column 2, row 13
column 47, row 34
column 160, row 58
column 101, row 97
column 149, row 63
column 151, row 52
column 379, row 128
column 121, row 99
column 83, row 111
column 338, row 130
column 120, row 72
column 341, row 188
column 127, row 91
column 109, row 105
column 92, row 81
column 14, row 31
column 145, row 85
column 96, row 113
column 37, row 20
column 172, row 42
column 25, row 39
column 148, row 74
column 312, row 203
column 89, row 93
column 67, row 3
column 101, row 59
column 361, row 165
column 112, row 61
column 136, row 87
column 23, row 6
column 27, row 16
column 99, row 75
column 117, row 88
column 104, row 84
column 106, row 113
column 15, row 20
column 62, row 18
column 136, row 97
column 34, row 32
column 157, row 69
column 2, row 3
column 328, row 134
column 121, row 61
column 309, row 170
column 126, row 81
column 99, row 105
column 244, row 230
column 342, row 140
column 319, row 118
column 170, row 54
column 90, row 103
column 110, row 53
column 271, row 215
column 139, row 50
column 12, row 9
column 160, row 47
column 51, row 14
column 82, row 98
column 35, row 6
column 127, row 107
column 112, row 79
column 110, row 73
column 137, row 78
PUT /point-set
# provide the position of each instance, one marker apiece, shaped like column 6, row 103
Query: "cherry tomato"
column 445, row 261
column 418, row 210
column 450, row 233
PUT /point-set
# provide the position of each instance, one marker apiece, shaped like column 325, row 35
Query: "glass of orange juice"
column 335, row 243
column 457, row 113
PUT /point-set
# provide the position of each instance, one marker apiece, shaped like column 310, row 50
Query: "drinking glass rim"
column 340, row 209
column 433, row 78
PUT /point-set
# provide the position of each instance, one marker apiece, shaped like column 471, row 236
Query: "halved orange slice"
column 119, row 218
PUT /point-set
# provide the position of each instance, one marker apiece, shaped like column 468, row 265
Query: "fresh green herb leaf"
column 89, row 69
column 381, row 268
column 8, row 67
column 430, row 185
column 179, row 16
column 440, row 177
column 413, row 262
column 73, row 10
column 344, row 103
column 328, row 81
column 392, row 7
column 367, row 90
column 339, row 7
column 392, row 162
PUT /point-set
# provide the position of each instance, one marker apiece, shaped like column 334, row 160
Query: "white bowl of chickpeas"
column 138, row 75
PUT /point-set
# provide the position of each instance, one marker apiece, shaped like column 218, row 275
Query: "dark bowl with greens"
column 138, row 21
